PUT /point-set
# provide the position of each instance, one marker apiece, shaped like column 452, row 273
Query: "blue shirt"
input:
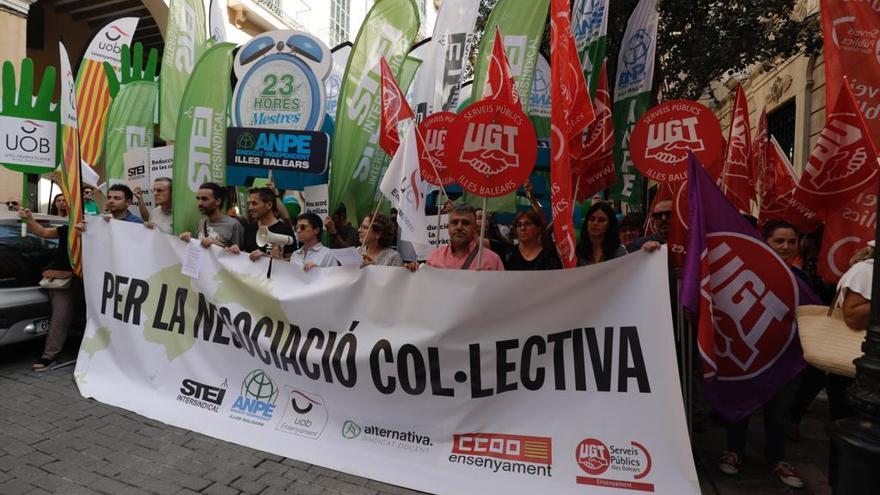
column 132, row 218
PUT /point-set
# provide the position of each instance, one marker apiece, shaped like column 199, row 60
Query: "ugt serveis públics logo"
column 613, row 466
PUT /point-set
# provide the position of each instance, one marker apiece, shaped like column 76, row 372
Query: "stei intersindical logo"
column 281, row 81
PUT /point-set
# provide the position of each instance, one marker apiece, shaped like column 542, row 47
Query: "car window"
column 23, row 259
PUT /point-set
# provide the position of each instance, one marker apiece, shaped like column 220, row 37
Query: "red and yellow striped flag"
column 70, row 173
column 92, row 103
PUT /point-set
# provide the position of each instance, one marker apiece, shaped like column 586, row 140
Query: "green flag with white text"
column 129, row 125
column 632, row 96
column 186, row 38
column 200, row 150
column 357, row 160
column 589, row 26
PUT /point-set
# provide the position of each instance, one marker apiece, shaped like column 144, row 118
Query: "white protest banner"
column 317, row 199
column 161, row 161
column 446, row 381
column 142, row 167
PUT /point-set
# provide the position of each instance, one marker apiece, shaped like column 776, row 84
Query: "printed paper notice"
column 348, row 256
column 192, row 262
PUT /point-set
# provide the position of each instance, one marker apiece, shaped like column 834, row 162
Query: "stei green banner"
column 186, row 40
column 200, row 150
column 357, row 161
column 129, row 124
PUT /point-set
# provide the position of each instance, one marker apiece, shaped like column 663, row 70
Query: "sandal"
column 42, row 365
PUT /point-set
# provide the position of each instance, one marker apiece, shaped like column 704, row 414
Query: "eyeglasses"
column 659, row 215
column 524, row 225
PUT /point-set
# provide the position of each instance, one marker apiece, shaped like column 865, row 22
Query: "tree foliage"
column 702, row 40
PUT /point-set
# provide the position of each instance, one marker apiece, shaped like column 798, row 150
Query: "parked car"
column 24, row 307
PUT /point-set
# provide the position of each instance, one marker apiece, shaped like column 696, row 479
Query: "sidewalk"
column 54, row 441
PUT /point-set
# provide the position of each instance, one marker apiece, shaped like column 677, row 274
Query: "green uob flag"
column 357, row 159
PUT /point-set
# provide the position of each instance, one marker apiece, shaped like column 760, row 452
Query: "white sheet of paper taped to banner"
column 348, row 256
column 434, row 380
column 192, row 261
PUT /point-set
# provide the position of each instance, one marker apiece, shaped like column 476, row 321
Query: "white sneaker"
column 730, row 463
column 788, row 475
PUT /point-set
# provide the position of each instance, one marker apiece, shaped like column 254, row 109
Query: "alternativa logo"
column 502, row 452
column 305, row 414
column 596, row 458
column 256, row 403
column 402, row 439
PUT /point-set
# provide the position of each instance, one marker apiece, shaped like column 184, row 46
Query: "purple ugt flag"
column 745, row 297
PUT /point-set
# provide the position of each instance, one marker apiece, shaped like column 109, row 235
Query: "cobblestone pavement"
column 54, row 441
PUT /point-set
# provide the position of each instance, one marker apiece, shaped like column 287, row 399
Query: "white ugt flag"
column 404, row 187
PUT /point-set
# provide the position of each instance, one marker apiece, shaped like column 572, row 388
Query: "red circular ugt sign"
column 491, row 148
column 432, row 148
column 661, row 139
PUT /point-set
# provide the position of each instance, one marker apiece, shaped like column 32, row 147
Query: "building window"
column 339, row 23
column 781, row 125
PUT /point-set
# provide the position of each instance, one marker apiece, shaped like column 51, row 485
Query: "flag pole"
column 482, row 231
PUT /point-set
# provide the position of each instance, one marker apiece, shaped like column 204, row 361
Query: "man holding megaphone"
column 265, row 234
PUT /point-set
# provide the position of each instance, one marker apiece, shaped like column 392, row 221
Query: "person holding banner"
column 660, row 217
column 119, row 198
column 531, row 253
column 160, row 216
column 462, row 251
column 216, row 228
column 262, row 209
column 630, row 228
column 65, row 291
column 376, row 235
column 342, row 234
column 311, row 253
column 600, row 239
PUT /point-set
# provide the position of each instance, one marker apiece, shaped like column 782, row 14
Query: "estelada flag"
column 500, row 84
column 395, row 109
column 778, row 183
column 744, row 296
column 852, row 51
column 570, row 113
column 593, row 166
column 738, row 178
column 843, row 163
column 70, row 173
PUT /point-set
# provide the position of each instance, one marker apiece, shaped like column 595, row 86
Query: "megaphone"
column 264, row 236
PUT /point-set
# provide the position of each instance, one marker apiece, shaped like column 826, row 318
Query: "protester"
column 376, row 236
column 119, row 198
column 311, row 253
column 160, row 216
column 342, row 233
column 531, row 253
column 90, row 205
column 600, row 239
column 59, row 206
column 630, row 228
column 660, row 218
column 262, row 208
column 216, row 228
column 461, row 252
column 65, row 301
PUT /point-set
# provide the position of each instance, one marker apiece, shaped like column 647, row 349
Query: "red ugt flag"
column 842, row 164
column 738, row 182
column 570, row 113
column 594, row 166
column 778, row 183
column 499, row 82
column 394, row 110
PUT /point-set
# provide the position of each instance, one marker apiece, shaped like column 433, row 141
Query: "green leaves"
column 20, row 102
column 132, row 68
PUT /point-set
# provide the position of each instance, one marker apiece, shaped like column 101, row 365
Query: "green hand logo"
column 132, row 68
column 31, row 123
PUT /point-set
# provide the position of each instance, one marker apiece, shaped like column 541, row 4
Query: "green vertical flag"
column 522, row 28
column 589, row 26
column 200, row 150
column 387, row 31
column 632, row 96
column 129, row 124
column 186, row 39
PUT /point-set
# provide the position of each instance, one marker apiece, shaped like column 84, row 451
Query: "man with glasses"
column 216, row 228
column 660, row 218
column 312, row 253
column 160, row 216
column 461, row 253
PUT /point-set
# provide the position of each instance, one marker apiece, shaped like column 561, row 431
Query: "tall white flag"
column 404, row 187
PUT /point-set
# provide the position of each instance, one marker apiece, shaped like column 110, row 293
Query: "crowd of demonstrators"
column 376, row 235
column 160, row 216
column 216, row 228
column 263, row 212
column 462, row 252
column 531, row 251
column 59, row 206
column 600, row 239
column 311, row 253
column 67, row 301
column 341, row 233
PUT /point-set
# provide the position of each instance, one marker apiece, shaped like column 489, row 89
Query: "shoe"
column 788, row 475
column 42, row 365
column 730, row 463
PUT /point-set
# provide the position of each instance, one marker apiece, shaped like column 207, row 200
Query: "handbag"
column 827, row 342
column 56, row 279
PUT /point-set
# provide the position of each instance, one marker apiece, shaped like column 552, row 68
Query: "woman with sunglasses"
column 530, row 253
column 376, row 235
column 600, row 240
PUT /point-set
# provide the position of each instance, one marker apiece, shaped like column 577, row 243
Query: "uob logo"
column 490, row 148
column 670, row 141
column 752, row 314
column 305, row 416
column 29, row 141
column 112, row 35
